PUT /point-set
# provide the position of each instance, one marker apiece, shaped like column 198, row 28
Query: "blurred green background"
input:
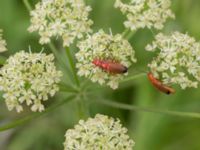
column 151, row 131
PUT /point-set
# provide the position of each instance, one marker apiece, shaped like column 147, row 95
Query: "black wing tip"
column 125, row 70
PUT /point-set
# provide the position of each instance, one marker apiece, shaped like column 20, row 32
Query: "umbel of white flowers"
column 29, row 78
column 178, row 60
column 2, row 43
column 145, row 13
column 98, row 133
column 67, row 19
column 104, row 47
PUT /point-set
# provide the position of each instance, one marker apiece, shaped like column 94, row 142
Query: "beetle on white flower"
column 108, row 49
column 178, row 60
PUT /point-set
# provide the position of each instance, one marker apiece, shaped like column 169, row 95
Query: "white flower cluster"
column 29, row 78
column 99, row 133
column 178, row 61
column 67, row 19
column 145, row 13
column 104, row 47
column 2, row 43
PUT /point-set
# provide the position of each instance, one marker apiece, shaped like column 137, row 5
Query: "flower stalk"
column 126, row 31
column 129, row 35
column 152, row 110
column 27, row 5
column 134, row 77
column 72, row 65
column 83, row 108
column 2, row 60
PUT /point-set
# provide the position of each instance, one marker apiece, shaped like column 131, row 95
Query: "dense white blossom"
column 2, row 43
column 67, row 19
column 145, row 13
column 29, row 78
column 99, row 133
column 178, row 60
column 104, row 47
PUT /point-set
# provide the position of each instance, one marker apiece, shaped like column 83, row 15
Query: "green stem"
column 86, row 106
column 129, row 36
column 134, row 77
column 72, row 65
column 83, row 105
column 87, row 2
column 126, row 31
column 2, row 60
column 57, row 55
column 66, row 88
column 55, row 52
column 83, row 109
column 58, row 58
column 29, row 118
column 27, row 4
column 152, row 110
